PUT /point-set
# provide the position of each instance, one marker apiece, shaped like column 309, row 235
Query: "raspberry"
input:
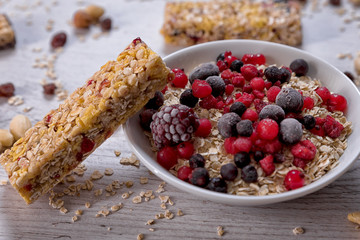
column 201, row 89
column 243, row 144
column 267, row 129
column 226, row 109
column 229, row 172
column 259, row 105
column 250, row 114
column 272, row 93
column 267, row 164
column 238, row 80
column 221, row 65
column 208, row 102
column 318, row 128
column 305, row 150
column 254, row 59
column 199, row 177
column 246, row 99
column 173, row 124
column 298, row 162
column 229, row 100
column 268, row 146
column 249, row 71
column 227, row 53
column 258, row 94
column 197, row 160
column 204, row 128
column 227, row 74
column 247, row 88
column 257, row 83
column 184, row 173
column 324, row 93
column 332, row 128
column 180, row 79
column 164, row 90
column 229, row 145
column 229, row 89
column 337, row 102
column 294, row 179
column 220, row 105
column 167, row 157
column 268, row 85
column 185, row 150
column 308, row 103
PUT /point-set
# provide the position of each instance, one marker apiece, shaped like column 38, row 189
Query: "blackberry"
column 188, row 99
column 236, row 65
column 220, row 57
column 238, row 107
column 273, row 74
column 290, row 131
column 199, row 177
column 258, row 155
column 156, row 102
column 173, row 124
column 146, row 118
column 249, row 174
column 244, row 128
column 196, row 160
column 203, row 71
column 272, row 111
column 285, row 75
column 217, row 185
column 217, row 85
column 241, row 159
column 290, row 100
column 227, row 124
column 300, row 67
column 228, row 171
column 309, row 122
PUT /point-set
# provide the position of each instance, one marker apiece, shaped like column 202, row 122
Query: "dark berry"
column 272, row 111
column 335, row 2
column 290, row 131
column 184, row 173
column 146, row 118
column 58, row 40
column 238, row 107
column 106, row 24
column 244, row 128
column 236, row 65
column 228, row 171
column 349, row 75
column 241, row 159
column 300, row 67
column 217, row 185
column 220, row 57
column 227, row 124
column 290, row 100
column 197, row 160
column 285, row 75
column 49, row 88
column 249, row 174
column 217, row 85
column 167, row 157
column 204, row 128
column 185, row 150
column 267, row 129
column 309, row 122
column 294, row 179
column 156, row 102
column 203, row 71
column 199, row 177
column 188, row 99
column 279, row 158
column 201, row 88
column 273, row 74
column 258, row 155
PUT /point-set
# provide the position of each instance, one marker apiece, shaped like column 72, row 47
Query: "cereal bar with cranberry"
column 7, row 34
column 67, row 135
column 187, row 23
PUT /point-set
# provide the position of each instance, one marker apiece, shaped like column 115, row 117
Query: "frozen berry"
column 318, row 128
column 204, row 128
column 199, row 177
column 290, row 100
column 220, row 57
column 279, row 158
column 300, row 67
column 309, row 122
column 267, row 129
column 267, row 164
column 337, row 102
column 221, row 65
column 201, row 89
column 185, row 150
column 238, row 107
column 332, row 127
column 180, row 80
column 259, row 104
column 156, row 102
column 250, row 114
column 285, row 75
column 247, row 88
column 244, row 128
column 294, row 179
column 227, row 124
column 290, row 131
column 217, row 185
column 228, row 172
column 272, row 111
column 272, row 93
column 188, row 99
column 300, row 163
column 255, row 59
column 197, row 160
column 146, row 118
column 243, row 144
column 305, row 150
column 258, row 155
column 241, row 159
column 236, row 65
column 308, row 103
column 229, row 145
column 217, row 85
column 167, row 157
column 324, row 93
column 184, row 173
column 208, row 102
column 229, row 89
column 238, row 80
column 335, row 2
column 257, row 83
column 203, row 71
column 273, row 74
column 249, row 174
column 230, row 59
column 249, row 71
column 173, row 124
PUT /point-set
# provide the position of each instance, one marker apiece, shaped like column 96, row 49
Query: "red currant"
column 180, row 79
column 324, row 93
column 308, row 103
column 267, row 129
column 229, row 145
column 201, row 89
column 257, row 83
column 294, row 179
column 337, row 102
column 243, row 144
column 249, row 71
column 184, row 173
column 229, row 89
column 250, row 114
column 204, row 128
column 185, row 150
column 167, row 157
column 254, row 59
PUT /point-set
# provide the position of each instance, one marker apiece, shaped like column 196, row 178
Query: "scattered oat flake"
column 98, row 192
column 79, row 212
column 16, row 100
column 151, row 229
column 180, row 213
column 354, row 217
column 109, row 228
column 129, row 184
column 144, row 180
column 117, row 153
column 150, row 222
column 116, row 207
column 298, row 230
column 159, row 216
column 168, row 214
column 75, row 218
column 63, row 210
column 163, row 198
column 137, row 199
column 220, row 231
column 3, row 182
column 132, row 160
column 96, row 175
column 125, row 195
column 163, row 205
column 27, row 109
column 140, row 236
column 70, row 178
column 108, row 171
column 87, row 205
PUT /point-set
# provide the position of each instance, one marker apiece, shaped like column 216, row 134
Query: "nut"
column 354, row 217
column 357, row 64
column 19, row 125
column 6, row 138
column 95, row 12
column 82, row 19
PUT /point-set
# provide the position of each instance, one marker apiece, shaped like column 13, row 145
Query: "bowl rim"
column 164, row 174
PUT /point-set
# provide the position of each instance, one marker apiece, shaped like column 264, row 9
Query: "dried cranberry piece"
column 49, row 88
column 105, row 24
column 7, row 90
column 28, row 187
column 87, row 145
column 58, row 40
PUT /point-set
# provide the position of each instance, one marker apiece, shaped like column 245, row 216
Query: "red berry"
column 272, row 93
column 259, row 105
column 268, row 85
column 201, row 89
column 301, row 163
column 305, row 150
column 221, row 65
column 167, row 157
column 229, row 100
column 185, row 150
column 238, row 80
column 277, row 83
column 253, row 59
column 247, row 88
column 87, row 145
column 229, row 59
column 249, row 71
column 208, row 102
column 267, row 164
column 250, row 114
column 246, row 99
column 332, row 128
column 204, row 128
column 220, row 105
column 164, row 90
column 257, row 83
column 227, row 54
column 180, row 79
column 226, row 109
column 184, row 173
column 229, row 145
column 267, row 129
column 243, row 144
column 227, row 74
column 318, row 129
column 270, row 146
column 229, row 89
column 294, row 179
column 324, row 93
column 337, row 102
column 258, row 94
column 308, row 103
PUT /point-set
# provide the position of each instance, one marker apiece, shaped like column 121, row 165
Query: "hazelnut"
column 82, row 19
column 95, row 12
column 6, row 138
column 19, row 125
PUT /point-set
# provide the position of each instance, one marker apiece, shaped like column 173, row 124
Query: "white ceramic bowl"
column 331, row 77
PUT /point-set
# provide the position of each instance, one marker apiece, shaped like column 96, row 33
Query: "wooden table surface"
column 322, row 214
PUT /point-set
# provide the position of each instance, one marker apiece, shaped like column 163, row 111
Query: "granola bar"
column 67, row 135
column 188, row 23
column 7, row 35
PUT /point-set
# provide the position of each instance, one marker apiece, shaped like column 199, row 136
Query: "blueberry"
column 217, row 185
column 273, row 112
column 249, row 174
column 309, row 122
column 273, row 74
column 241, row 159
column 238, row 107
column 220, row 57
column 203, row 71
column 188, row 99
column 244, row 128
column 146, row 118
column 300, row 67
column 290, row 131
column 279, row 158
column 258, row 155
column 217, row 85
column 196, row 160
column 290, row 100
column 227, row 124
column 199, row 177
column 285, row 75
column 228, row 171
column 156, row 102
column 236, row 65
